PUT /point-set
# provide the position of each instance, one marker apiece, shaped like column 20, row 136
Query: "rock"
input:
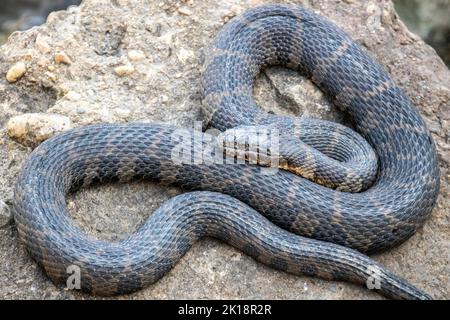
column 51, row 76
column 136, row 55
column 164, row 87
column 42, row 44
column 61, row 57
column 184, row 11
column 293, row 96
column 30, row 129
column 73, row 96
column 6, row 216
column 16, row 72
column 184, row 55
column 123, row 71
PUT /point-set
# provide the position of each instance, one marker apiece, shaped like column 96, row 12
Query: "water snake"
column 327, row 230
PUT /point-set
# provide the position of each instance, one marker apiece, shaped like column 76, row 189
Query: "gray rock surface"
column 162, row 84
column 6, row 215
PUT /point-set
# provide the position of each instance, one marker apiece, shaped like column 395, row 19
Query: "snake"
column 286, row 221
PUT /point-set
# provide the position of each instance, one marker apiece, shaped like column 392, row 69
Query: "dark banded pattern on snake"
column 384, row 215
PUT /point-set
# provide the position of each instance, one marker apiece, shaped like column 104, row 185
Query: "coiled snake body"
column 329, row 228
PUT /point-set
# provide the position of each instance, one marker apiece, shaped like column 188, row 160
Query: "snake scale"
column 283, row 220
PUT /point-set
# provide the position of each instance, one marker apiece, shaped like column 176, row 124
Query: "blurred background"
column 24, row 14
column 429, row 19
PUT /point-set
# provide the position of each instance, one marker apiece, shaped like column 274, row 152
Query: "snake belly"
column 330, row 229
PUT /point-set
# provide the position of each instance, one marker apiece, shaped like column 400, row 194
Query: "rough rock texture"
column 30, row 129
column 163, row 85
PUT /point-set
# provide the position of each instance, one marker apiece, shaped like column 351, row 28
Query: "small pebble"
column 30, row 129
column 16, row 72
column 122, row 113
column 123, row 71
column 184, row 11
column 51, row 76
column 234, row 11
column 305, row 287
column 41, row 63
column 184, row 55
column 42, row 45
column 136, row 55
column 61, row 57
column 72, row 96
